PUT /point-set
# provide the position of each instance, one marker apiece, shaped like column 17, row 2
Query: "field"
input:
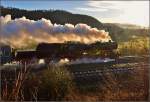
column 130, row 47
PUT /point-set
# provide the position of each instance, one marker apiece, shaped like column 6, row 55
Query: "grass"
column 138, row 46
column 52, row 83
column 55, row 83
column 117, row 87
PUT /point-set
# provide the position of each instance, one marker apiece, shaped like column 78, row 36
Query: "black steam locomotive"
column 56, row 51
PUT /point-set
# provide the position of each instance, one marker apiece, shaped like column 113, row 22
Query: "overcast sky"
column 133, row 12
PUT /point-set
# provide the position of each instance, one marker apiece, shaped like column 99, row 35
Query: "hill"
column 118, row 32
column 129, row 26
column 56, row 16
column 124, row 33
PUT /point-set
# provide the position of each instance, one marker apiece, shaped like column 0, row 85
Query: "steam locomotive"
column 56, row 51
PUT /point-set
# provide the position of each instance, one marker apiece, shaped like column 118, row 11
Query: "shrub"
column 56, row 82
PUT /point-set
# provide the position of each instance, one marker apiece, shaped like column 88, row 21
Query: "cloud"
column 134, row 12
column 101, row 9
column 92, row 9
column 100, row 5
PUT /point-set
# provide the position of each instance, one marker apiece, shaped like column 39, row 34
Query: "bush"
column 56, row 82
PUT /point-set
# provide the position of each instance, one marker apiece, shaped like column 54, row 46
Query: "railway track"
column 96, row 73
column 97, row 70
column 108, row 71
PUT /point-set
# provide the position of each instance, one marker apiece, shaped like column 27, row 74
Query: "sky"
column 130, row 12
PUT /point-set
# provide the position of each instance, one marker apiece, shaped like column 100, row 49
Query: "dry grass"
column 125, row 87
column 56, row 84
column 12, row 91
column 52, row 83
column 130, row 47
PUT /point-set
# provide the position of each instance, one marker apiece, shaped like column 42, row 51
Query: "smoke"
column 91, row 60
column 85, row 60
column 22, row 31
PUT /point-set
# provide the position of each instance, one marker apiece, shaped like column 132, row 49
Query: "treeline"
column 61, row 17
column 56, row 16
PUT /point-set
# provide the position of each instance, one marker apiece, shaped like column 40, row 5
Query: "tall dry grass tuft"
column 12, row 91
column 56, row 82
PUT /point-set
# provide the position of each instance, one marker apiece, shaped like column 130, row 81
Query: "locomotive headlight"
column 41, row 61
column 65, row 60
column 84, row 53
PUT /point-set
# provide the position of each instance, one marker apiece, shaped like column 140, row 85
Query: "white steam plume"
column 21, row 31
